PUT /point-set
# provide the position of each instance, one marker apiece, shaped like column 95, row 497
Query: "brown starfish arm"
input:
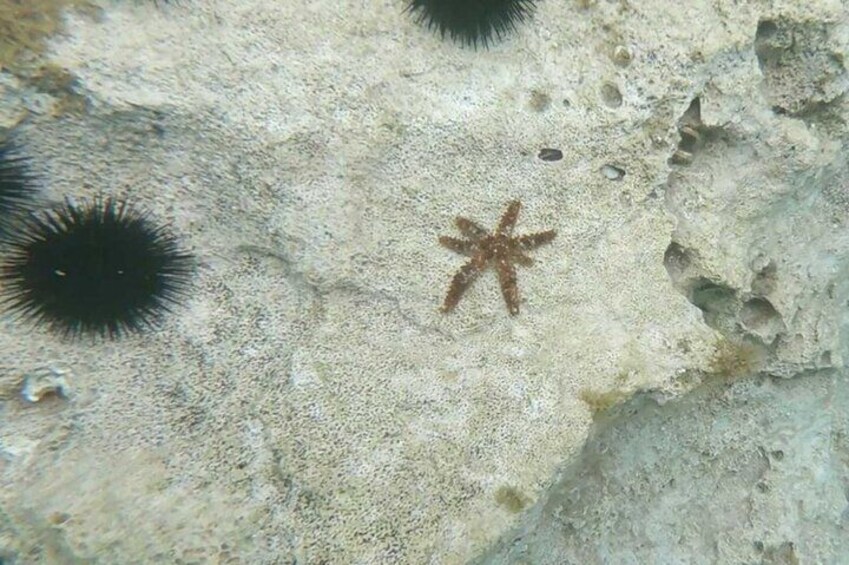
column 461, row 246
column 470, row 229
column 461, row 281
column 534, row 240
column 509, row 286
column 508, row 220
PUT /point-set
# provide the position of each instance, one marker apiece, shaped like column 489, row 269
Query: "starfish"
column 500, row 249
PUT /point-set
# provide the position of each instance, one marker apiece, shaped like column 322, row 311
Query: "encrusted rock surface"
column 310, row 403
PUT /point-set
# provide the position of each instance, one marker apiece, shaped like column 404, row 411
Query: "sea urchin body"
column 96, row 268
column 471, row 21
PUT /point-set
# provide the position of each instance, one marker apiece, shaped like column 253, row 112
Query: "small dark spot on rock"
column 759, row 317
column 58, row 518
column 610, row 95
column 540, row 101
column 766, row 29
column 677, row 260
column 550, row 154
column 766, row 279
column 777, row 454
column 717, row 301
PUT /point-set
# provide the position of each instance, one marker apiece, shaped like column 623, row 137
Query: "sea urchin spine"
column 471, row 21
column 16, row 185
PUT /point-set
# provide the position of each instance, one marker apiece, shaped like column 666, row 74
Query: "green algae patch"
column 511, row 499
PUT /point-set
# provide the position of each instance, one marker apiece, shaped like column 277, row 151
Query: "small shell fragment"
column 621, row 56
column 612, row 172
column 681, row 157
column 44, row 382
column 691, row 133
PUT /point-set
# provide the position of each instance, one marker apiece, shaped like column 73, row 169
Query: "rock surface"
column 310, row 403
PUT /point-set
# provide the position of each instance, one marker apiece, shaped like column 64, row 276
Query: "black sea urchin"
column 471, row 21
column 16, row 185
column 96, row 268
